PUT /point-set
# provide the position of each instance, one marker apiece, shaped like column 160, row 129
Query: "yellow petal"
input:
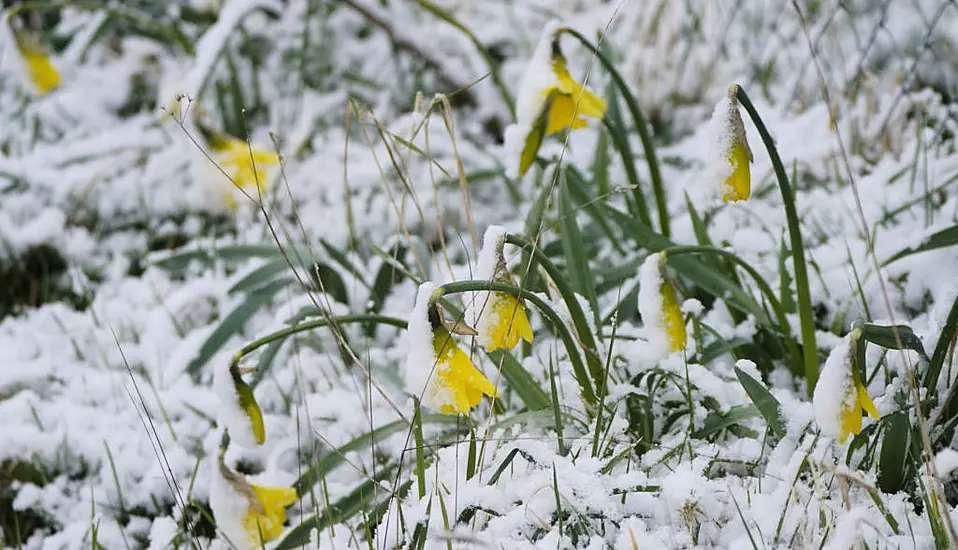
column 511, row 322
column 672, row 319
column 269, row 525
column 246, row 168
column 738, row 185
column 456, row 375
column 43, row 74
column 573, row 103
column 865, row 400
column 537, row 132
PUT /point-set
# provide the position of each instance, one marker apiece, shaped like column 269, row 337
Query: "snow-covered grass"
column 133, row 274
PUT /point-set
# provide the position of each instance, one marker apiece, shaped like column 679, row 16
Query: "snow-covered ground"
column 134, row 271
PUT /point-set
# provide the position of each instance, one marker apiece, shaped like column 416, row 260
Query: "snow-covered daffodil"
column 731, row 155
column 40, row 72
column 239, row 411
column 437, row 369
column 659, row 305
column 549, row 101
column 840, row 396
column 500, row 318
column 249, row 515
column 244, row 165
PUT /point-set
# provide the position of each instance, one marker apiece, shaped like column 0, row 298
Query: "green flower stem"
column 621, row 143
column 805, row 314
column 318, row 323
column 582, row 328
column 773, row 301
column 641, row 126
column 582, row 376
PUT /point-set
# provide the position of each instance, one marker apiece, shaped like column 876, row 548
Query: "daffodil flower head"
column 730, row 153
column 42, row 75
column 437, row 370
column 239, row 411
column 549, row 101
column 499, row 317
column 659, row 306
column 240, row 164
column 249, row 515
column 840, row 396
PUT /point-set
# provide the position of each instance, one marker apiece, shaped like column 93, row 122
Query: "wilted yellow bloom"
column 499, row 317
column 840, row 396
column 43, row 75
column 248, row 514
column 239, row 411
column 456, row 376
column 549, row 101
column 436, row 369
column 672, row 318
column 507, row 322
column 733, row 155
column 659, row 305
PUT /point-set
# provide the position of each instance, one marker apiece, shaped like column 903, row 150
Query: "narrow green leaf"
column 259, row 276
column 716, row 422
column 766, row 403
column 786, row 296
column 945, row 338
column 386, row 277
column 576, row 255
column 893, row 461
column 884, row 336
column 342, row 259
column 329, row 281
column 942, row 239
column 519, row 379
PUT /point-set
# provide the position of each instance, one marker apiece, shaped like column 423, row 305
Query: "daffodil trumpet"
column 840, row 396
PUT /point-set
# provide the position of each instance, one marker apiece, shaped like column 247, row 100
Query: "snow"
column 98, row 352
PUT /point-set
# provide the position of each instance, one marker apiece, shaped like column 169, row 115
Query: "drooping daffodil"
column 730, row 153
column 243, row 166
column 437, row 369
column 840, row 396
column 659, row 305
column 499, row 317
column 239, row 411
column 549, row 101
column 42, row 76
column 249, row 515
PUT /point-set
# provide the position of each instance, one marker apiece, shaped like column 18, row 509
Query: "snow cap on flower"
column 549, row 101
column 839, row 394
column 499, row 317
column 238, row 165
column 730, row 154
column 239, row 412
column 437, row 370
column 249, row 515
column 659, row 305
column 36, row 66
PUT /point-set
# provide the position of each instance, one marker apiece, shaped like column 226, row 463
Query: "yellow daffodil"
column 239, row 411
column 549, row 101
column 500, row 318
column 840, row 396
column 249, row 515
column 244, row 166
column 732, row 155
column 456, row 376
column 507, row 322
column 659, row 306
column 42, row 74
column 437, row 369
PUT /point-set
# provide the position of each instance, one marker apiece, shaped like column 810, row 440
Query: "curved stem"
column 582, row 376
column 641, row 126
column 318, row 323
column 805, row 314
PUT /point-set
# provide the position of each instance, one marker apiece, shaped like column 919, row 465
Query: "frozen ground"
column 128, row 279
